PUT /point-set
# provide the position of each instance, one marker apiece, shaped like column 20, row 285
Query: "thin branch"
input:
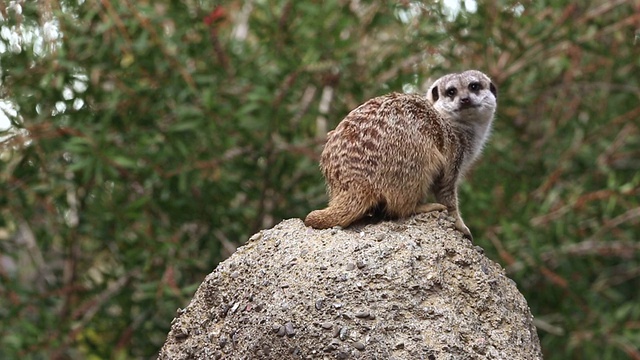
column 631, row 215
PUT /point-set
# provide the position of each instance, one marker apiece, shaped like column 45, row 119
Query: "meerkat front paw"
column 427, row 208
column 459, row 224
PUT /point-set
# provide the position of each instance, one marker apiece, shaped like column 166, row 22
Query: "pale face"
column 466, row 97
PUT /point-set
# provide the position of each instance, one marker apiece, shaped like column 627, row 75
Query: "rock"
column 434, row 295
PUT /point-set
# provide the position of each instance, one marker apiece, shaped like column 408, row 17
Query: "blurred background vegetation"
column 143, row 141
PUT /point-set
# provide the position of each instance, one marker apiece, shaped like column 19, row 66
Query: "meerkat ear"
column 434, row 94
column 493, row 89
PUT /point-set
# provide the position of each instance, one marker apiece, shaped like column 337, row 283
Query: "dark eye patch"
column 451, row 92
column 475, row 86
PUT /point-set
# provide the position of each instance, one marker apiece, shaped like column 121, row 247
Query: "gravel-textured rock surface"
column 409, row 289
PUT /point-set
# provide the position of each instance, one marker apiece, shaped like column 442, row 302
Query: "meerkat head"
column 469, row 96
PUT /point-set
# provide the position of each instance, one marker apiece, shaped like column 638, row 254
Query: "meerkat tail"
column 321, row 219
column 342, row 211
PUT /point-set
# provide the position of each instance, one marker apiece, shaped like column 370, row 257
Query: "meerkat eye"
column 475, row 86
column 451, row 92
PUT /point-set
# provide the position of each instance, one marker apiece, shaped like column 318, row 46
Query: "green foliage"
column 150, row 138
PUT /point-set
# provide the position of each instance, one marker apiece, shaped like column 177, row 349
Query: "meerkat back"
column 382, row 155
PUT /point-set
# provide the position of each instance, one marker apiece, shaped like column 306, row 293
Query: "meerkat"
column 392, row 151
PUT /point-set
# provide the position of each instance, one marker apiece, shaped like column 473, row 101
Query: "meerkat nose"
column 465, row 103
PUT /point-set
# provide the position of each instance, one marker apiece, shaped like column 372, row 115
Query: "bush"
column 148, row 140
